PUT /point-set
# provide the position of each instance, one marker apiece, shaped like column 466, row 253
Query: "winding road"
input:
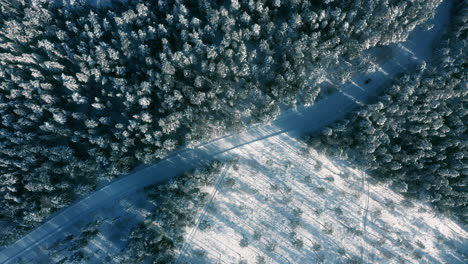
column 416, row 49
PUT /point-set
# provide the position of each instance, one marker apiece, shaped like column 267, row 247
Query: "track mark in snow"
column 334, row 226
column 366, row 190
column 202, row 212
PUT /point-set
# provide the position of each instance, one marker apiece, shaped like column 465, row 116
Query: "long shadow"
column 377, row 228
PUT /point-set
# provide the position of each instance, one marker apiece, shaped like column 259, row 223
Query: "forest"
column 88, row 93
column 170, row 208
column 177, row 204
column 414, row 136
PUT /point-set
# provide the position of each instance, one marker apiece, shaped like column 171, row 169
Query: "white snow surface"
column 405, row 57
column 346, row 218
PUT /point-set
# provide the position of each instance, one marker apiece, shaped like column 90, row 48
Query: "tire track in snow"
column 365, row 188
column 202, row 213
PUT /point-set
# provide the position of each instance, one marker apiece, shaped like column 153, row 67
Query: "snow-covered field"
column 283, row 204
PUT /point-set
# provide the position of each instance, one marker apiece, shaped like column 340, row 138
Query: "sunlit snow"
column 278, row 195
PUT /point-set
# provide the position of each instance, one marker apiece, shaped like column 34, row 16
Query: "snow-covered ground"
column 114, row 222
column 281, row 204
column 324, row 112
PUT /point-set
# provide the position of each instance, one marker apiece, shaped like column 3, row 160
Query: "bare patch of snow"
column 283, row 205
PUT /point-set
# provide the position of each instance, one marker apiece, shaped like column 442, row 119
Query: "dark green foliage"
column 88, row 93
column 415, row 134
column 244, row 242
column 295, row 240
column 204, row 225
column 257, row 235
column 260, row 260
column 177, row 205
column 317, row 247
column 271, row 246
column 73, row 245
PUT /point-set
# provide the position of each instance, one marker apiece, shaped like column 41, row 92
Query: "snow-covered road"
column 335, row 107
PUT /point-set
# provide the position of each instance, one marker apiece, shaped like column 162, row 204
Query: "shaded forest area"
column 166, row 213
column 88, row 93
column 414, row 136
column 177, row 204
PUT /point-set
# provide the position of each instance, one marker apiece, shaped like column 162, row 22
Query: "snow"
column 117, row 219
column 345, row 215
column 420, row 45
column 309, row 119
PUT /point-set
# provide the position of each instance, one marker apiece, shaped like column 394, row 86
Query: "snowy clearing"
column 280, row 204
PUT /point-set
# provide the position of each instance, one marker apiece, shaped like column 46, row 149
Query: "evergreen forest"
column 89, row 93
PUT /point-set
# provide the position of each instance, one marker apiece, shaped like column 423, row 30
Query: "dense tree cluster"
column 415, row 134
column 177, row 204
column 70, row 248
column 88, row 91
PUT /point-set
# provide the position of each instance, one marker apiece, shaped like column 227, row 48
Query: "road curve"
column 324, row 112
